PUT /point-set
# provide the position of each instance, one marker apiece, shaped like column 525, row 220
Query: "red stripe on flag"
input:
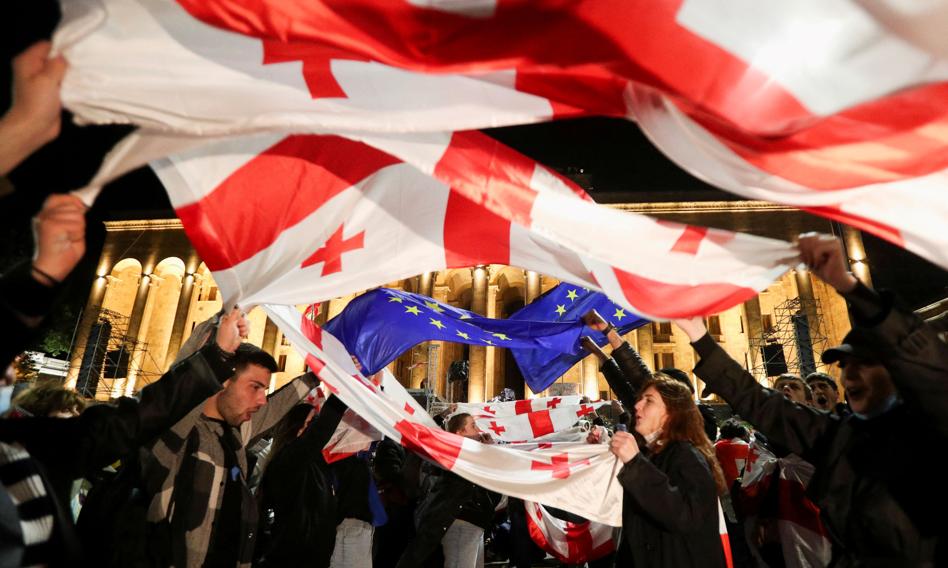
column 878, row 229
column 726, row 545
column 797, row 508
column 540, row 423
column 579, row 541
column 435, row 443
column 885, row 140
column 331, row 457
column 523, row 406
column 300, row 173
column 664, row 300
column 490, row 174
column 473, row 235
column 577, row 91
column 316, row 366
column 639, row 40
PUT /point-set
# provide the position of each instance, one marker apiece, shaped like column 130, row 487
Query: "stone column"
column 180, row 318
column 754, row 329
column 138, row 330
column 270, row 338
column 533, row 286
column 478, row 360
column 856, row 251
column 591, row 377
column 90, row 313
column 426, row 283
column 437, row 355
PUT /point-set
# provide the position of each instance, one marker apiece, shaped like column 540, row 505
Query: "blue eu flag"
column 566, row 303
column 380, row 325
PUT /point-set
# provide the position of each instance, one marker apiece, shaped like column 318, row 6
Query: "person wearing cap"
column 826, row 393
column 877, row 479
column 915, row 354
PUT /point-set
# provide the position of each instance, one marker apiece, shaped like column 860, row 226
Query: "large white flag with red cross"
column 574, row 476
column 301, row 219
column 836, row 107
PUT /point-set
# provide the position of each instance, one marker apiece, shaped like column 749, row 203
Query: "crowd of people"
column 206, row 468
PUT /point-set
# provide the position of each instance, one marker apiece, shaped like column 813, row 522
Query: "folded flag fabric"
column 575, row 477
column 516, row 407
column 886, row 176
column 381, row 324
column 570, row 542
column 566, row 302
column 853, row 130
column 533, row 425
column 340, row 216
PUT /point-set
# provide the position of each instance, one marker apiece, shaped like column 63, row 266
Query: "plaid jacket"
column 184, row 474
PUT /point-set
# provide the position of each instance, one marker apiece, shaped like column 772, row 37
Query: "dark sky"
column 618, row 162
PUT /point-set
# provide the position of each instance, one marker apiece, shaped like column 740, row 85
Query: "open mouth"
column 821, row 400
column 855, row 392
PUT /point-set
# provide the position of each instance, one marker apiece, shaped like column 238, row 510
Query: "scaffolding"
column 795, row 342
column 110, row 357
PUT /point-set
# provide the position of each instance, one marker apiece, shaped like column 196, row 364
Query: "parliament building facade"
column 151, row 289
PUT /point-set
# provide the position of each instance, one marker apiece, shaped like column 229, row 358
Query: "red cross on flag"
column 837, row 108
column 570, row 543
column 514, row 407
column 532, row 425
column 588, row 490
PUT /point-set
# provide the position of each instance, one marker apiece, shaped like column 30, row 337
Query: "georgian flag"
column 532, row 425
column 303, row 219
column 886, row 177
column 570, row 543
column 829, row 106
column 516, row 407
column 764, row 67
column 577, row 477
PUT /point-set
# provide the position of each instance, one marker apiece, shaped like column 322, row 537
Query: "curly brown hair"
column 684, row 423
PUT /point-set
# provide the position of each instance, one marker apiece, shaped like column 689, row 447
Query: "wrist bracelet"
column 609, row 328
column 45, row 275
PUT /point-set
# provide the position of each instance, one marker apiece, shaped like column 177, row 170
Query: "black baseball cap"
column 861, row 344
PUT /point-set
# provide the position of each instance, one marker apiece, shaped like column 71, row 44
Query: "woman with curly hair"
column 671, row 487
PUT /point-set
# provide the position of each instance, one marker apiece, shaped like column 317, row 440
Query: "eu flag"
column 566, row 303
column 380, row 325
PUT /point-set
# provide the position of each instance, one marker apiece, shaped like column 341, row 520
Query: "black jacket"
column 877, row 482
column 22, row 297
column 449, row 497
column 298, row 520
column 670, row 510
column 70, row 448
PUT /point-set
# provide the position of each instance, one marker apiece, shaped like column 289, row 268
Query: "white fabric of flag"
column 576, row 477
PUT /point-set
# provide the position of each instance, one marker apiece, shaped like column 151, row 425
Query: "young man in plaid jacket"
column 201, row 511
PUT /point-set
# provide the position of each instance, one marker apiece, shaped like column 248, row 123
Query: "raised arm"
column 918, row 362
column 793, row 426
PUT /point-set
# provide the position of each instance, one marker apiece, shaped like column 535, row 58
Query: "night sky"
column 617, row 162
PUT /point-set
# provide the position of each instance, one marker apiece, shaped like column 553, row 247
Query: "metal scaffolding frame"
column 110, row 356
column 794, row 343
